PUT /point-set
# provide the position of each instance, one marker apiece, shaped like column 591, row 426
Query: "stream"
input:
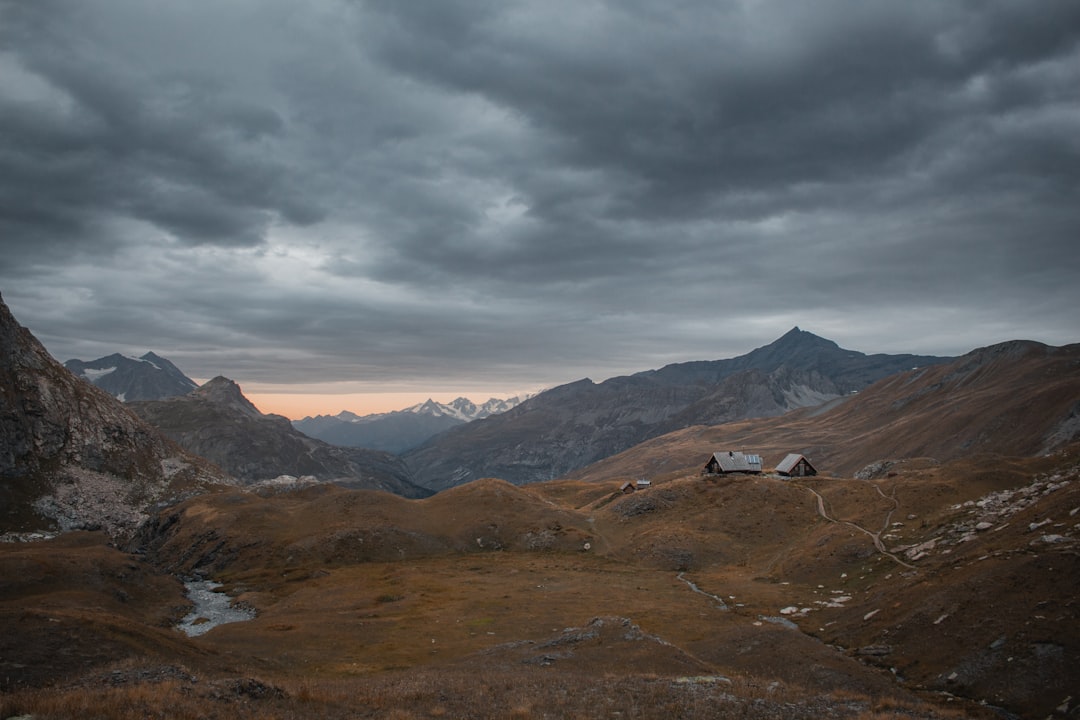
column 719, row 601
column 212, row 608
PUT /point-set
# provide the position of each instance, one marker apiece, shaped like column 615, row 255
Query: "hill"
column 568, row 427
column 740, row 593
column 1018, row 398
column 218, row 423
column 71, row 456
column 150, row 377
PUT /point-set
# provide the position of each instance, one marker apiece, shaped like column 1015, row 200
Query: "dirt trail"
column 875, row 536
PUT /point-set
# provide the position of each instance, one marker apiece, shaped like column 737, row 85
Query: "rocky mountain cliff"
column 150, row 377
column 71, row 456
column 217, row 422
column 568, row 427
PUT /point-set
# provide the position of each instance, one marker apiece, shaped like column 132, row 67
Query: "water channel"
column 212, row 608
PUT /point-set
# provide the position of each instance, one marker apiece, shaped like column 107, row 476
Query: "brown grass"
column 429, row 623
column 458, row 694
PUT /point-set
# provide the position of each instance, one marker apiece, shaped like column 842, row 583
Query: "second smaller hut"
column 795, row 465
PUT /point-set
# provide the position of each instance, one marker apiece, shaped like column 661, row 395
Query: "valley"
column 483, row 601
column 930, row 570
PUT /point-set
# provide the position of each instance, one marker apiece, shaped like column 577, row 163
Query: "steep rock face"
column 71, row 456
column 570, row 426
column 150, row 377
column 218, row 423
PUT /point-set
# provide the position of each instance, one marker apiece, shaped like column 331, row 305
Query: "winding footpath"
column 875, row 536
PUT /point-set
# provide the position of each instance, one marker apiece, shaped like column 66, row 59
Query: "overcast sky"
column 499, row 194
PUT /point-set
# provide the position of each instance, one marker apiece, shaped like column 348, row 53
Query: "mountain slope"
column 71, row 456
column 392, row 432
column 217, row 422
column 401, row 430
column 1015, row 399
column 573, row 425
column 970, row 592
column 150, row 377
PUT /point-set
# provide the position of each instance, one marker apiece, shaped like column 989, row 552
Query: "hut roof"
column 737, row 462
column 788, row 463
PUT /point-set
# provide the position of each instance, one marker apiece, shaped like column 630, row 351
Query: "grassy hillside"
column 570, row 599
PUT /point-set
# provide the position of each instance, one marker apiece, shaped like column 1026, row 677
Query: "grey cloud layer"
column 532, row 190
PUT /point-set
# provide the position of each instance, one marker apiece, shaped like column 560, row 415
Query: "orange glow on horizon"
column 296, row 406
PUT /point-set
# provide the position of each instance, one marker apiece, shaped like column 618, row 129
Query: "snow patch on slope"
column 91, row 374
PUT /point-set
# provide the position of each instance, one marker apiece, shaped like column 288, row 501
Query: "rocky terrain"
column 71, row 456
column 150, row 377
column 218, row 423
column 571, row 426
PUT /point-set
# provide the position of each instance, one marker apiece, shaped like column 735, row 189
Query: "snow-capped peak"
column 463, row 408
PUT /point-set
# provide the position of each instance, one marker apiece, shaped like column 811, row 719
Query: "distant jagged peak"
column 161, row 363
column 223, row 391
column 796, row 337
column 463, row 408
column 130, row 378
column 344, row 416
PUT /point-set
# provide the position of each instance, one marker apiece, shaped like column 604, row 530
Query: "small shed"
column 795, row 465
column 627, row 487
column 732, row 461
column 643, row 484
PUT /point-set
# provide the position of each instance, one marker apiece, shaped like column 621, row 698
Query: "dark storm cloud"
column 532, row 191
column 110, row 134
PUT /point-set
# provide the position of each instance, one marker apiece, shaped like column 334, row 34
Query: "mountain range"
column 1014, row 399
column 401, row 430
column 929, row 571
column 217, row 422
column 152, row 377
column 149, row 377
column 571, row 426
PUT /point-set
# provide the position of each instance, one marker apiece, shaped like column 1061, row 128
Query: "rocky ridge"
column 149, row 377
column 217, row 422
column 71, row 455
